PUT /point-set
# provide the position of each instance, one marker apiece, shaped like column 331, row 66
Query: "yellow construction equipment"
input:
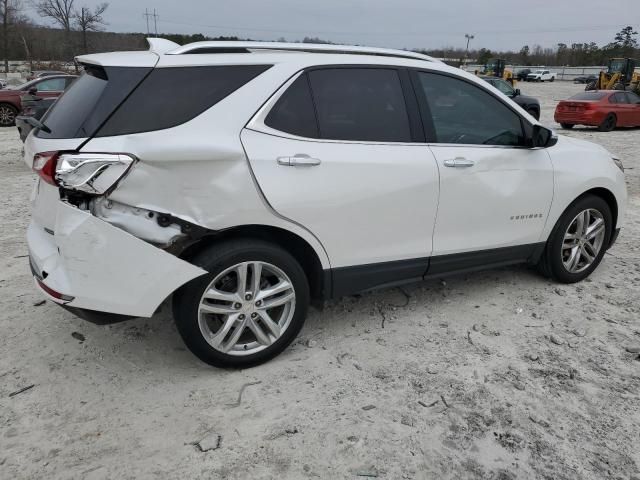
column 497, row 67
column 619, row 75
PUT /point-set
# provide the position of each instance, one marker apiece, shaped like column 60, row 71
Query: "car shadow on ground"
column 155, row 341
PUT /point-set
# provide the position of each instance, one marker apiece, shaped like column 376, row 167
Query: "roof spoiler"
column 161, row 45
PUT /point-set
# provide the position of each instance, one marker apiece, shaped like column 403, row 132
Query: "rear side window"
column 360, row 104
column 90, row 100
column 171, row 96
column 294, row 111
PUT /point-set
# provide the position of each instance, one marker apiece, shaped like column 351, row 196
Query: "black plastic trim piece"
column 349, row 280
column 481, row 259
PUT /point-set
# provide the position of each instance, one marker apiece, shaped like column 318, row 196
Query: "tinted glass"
column 633, row 98
column 503, row 86
column 364, row 104
column 466, row 114
column 171, row 96
column 88, row 102
column 51, row 85
column 294, row 112
column 589, row 96
column 621, row 98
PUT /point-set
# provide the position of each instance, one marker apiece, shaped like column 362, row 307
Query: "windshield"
column 617, row 65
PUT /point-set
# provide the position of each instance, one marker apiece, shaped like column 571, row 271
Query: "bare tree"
column 59, row 11
column 89, row 21
column 8, row 12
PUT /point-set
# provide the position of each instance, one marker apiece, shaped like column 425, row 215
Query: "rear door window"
column 360, row 104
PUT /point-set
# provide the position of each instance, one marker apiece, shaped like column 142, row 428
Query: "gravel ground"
column 493, row 375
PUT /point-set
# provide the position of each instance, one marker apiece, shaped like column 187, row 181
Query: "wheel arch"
column 298, row 247
column 608, row 196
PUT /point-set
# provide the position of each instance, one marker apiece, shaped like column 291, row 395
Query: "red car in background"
column 605, row 109
column 46, row 87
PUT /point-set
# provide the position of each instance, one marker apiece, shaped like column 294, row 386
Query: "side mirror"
column 516, row 92
column 33, row 90
column 543, row 137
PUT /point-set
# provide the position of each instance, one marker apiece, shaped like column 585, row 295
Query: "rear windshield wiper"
column 37, row 124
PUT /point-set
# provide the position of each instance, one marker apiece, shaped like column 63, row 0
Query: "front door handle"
column 459, row 162
column 299, row 160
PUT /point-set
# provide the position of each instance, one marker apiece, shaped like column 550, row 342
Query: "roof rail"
column 252, row 47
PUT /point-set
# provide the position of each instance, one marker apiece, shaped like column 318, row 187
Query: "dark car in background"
column 522, row 75
column 45, row 87
column 530, row 104
column 585, row 79
column 33, row 109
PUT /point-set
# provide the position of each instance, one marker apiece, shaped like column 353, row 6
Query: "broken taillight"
column 93, row 173
column 44, row 164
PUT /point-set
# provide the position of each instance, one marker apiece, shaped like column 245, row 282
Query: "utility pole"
column 147, row 14
column 155, row 21
column 466, row 53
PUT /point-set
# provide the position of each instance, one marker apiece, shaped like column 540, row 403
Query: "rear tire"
column 560, row 246
column 590, row 86
column 7, row 115
column 242, row 331
column 552, row 79
column 567, row 126
column 609, row 123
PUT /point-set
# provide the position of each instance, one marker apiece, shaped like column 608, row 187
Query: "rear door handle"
column 299, row 160
column 459, row 162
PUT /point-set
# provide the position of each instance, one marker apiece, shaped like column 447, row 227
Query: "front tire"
column 578, row 241
column 247, row 309
column 590, row 86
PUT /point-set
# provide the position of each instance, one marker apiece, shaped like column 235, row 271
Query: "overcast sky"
column 496, row 24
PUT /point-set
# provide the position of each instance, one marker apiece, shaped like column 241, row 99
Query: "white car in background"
column 273, row 175
column 541, row 76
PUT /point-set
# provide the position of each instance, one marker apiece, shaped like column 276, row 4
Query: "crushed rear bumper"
column 90, row 264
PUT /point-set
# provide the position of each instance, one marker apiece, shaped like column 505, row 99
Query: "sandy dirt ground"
column 493, row 375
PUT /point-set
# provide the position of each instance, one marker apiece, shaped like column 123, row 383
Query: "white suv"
column 541, row 76
column 247, row 180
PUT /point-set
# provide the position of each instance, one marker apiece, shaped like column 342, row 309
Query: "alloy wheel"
column 583, row 240
column 246, row 308
column 7, row 116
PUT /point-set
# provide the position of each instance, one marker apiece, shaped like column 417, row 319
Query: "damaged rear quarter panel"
column 110, row 270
